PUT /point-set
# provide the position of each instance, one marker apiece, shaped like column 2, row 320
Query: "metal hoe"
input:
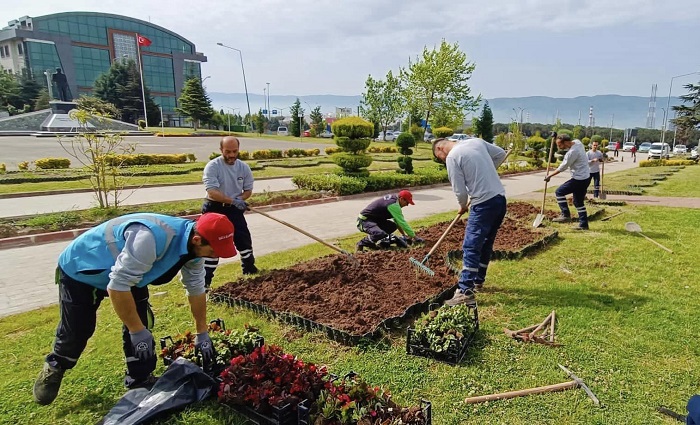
column 633, row 227
column 317, row 239
column 540, row 216
column 421, row 265
column 581, row 384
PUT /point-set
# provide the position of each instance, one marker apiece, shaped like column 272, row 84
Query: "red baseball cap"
column 218, row 231
column 406, row 195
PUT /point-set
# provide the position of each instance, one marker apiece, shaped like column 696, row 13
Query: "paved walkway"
column 27, row 279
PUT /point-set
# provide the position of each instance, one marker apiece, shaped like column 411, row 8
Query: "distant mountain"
column 628, row 111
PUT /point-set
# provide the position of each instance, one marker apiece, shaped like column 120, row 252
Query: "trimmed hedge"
column 333, row 149
column 296, row 152
column 352, row 128
column 441, row 132
column 52, row 163
column 341, row 185
column 344, row 185
column 378, row 149
column 352, row 145
column 267, row 154
column 666, row 162
column 351, row 163
column 145, row 159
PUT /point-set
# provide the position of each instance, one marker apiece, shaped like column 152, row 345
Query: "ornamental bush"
column 405, row 142
column 52, row 163
column 352, row 128
column 442, row 132
column 339, row 185
column 352, row 135
column 351, row 163
column 354, row 146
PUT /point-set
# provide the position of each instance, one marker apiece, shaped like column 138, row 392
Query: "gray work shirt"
column 576, row 161
column 471, row 168
column 594, row 166
column 137, row 258
column 231, row 180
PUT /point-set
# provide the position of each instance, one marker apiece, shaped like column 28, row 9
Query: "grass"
column 677, row 184
column 627, row 324
column 184, row 131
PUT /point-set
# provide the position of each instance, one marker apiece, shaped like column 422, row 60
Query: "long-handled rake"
column 540, row 216
column 633, row 227
column 303, row 232
column 421, row 265
column 602, row 194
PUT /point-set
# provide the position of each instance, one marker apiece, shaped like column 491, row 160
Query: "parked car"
column 627, row 147
column 458, row 136
column 611, row 146
column 656, row 151
column 326, row 134
column 390, row 136
column 694, row 153
column 680, row 150
column 282, row 131
column 307, row 133
column 644, row 147
column 428, row 137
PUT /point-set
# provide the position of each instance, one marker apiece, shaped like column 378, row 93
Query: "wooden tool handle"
column 549, row 163
column 653, row 241
column 544, row 323
column 437, row 244
column 303, row 232
column 520, row 393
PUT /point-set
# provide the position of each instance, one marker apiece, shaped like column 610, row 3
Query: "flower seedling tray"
column 455, row 352
column 278, row 415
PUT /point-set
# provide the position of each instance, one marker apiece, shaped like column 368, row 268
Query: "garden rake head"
column 420, row 265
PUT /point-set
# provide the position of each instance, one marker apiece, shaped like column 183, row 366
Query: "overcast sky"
column 557, row 48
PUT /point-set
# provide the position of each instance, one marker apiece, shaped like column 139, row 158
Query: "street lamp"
column 233, row 110
column 245, row 85
column 268, row 101
column 521, row 117
column 668, row 105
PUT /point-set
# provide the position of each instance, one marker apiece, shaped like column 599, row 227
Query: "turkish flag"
column 143, row 41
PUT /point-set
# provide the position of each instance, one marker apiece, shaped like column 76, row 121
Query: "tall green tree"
column 9, row 90
column 316, row 120
column 382, row 100
column 297, row 122
column 688, row 114
column 42, row 100
column 259, row 122
column 121, row 86
column 95, row 104
column 439, row 77
column 29, row 89
column 484, row 128
column 195, row 103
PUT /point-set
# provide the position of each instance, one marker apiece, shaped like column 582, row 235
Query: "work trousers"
column 578, row 188
column 376, row 230
column 596, row 183
column 79, row 303
column 480, row 232
column 241, row 238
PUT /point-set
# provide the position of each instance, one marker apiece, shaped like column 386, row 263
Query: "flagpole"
column 143, row 87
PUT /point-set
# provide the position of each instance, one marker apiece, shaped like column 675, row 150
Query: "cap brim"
column 411, row 202
column 225, row 250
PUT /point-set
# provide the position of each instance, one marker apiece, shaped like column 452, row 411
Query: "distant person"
column 381, row 218
column 577, row 162
column 472, row 169
column 595, row 157
column 59, row 78
column 634, row 153
column 618, row 146
column 119, row 259
column 229, row 182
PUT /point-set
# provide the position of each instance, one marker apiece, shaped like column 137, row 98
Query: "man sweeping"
column 472, row 169
column 382, row 218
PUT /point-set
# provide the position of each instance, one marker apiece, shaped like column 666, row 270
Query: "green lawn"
column 682, row 183
column 627, row 322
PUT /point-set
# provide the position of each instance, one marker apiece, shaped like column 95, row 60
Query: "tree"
column 195, row 103
column 9, row 90
column 316, row 120
column 485, row 124
column 95, row 105
column 121, row 86
column 297, row 122
column 439, row 79
column 259, row 122
column 29, row 89
column 688, row 116
column 405, row 142
column 381, row 100
column 42, row 100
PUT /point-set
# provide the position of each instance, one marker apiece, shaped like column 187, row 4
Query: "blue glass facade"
column 84, row 44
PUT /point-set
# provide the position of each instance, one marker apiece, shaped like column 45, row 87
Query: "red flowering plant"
column 268, row 377
column 353, row 401
column 227, row 344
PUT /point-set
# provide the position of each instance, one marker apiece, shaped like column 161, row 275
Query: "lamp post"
column 245, row 85
column 520, row 129
column 268, row 101
column 668, row 105
column 233, row 110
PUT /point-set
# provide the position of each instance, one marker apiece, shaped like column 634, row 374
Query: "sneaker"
column 562, row 219
column 359, row 247
column 399, row 242
column 364, row 243
column 250, row 269
column 462, row 297
column 384, row 243
column 47, row 384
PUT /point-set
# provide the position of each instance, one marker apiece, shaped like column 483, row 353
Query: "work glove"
column 547, row 179
column 240, row 204
column 418, row 240
column 408, row 240
column 144, row 345
column 203, row 345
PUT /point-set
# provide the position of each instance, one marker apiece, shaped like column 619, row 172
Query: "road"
column 15, row 149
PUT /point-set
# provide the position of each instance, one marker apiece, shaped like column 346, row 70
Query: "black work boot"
column 384, row 243
column 562, row 219
column 47, row 384
column 250, row 269
column 365, row 243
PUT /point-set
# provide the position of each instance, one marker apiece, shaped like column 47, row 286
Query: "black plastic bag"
column 182, row 384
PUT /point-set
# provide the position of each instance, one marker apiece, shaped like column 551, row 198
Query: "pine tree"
column 485, row 124
column 195, row 103
column 42, row 100
column 121, row 86
column 297, row 122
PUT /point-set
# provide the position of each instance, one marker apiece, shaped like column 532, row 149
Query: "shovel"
column 540, row 216
column 602, row 194
column 303, row 232
column 421, row 265
column 633, row 227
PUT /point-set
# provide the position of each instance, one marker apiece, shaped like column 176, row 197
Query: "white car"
column 459, row 136
column 656, row 151
column 326, row 134
column 390, row 136
column 680, row 149
column 282, row 131
column 627, row 147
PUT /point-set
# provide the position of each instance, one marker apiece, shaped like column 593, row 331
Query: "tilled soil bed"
column 357, row 298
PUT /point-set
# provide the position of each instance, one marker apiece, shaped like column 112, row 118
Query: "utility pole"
column 268, row 101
